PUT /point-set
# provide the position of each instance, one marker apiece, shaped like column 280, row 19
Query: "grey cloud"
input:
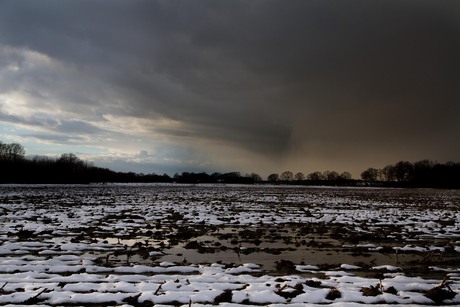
column 37, row 122
column 279, row 78
column 65, row 127
column 78, row 127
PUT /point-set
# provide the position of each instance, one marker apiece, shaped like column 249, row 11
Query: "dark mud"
column 417, row 231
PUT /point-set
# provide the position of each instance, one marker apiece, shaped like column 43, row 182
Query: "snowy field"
column 145, row 245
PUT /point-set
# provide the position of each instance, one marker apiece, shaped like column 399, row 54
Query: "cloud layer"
column 254, row 86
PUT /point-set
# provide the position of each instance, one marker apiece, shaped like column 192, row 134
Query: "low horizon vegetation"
column 68, row 168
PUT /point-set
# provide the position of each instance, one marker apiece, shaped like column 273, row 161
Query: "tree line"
column 68, row 168
column 423, row 174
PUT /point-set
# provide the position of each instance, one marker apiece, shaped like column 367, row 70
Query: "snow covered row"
column 56, row 283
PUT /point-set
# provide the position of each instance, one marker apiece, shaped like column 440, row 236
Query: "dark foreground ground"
column 142, row 245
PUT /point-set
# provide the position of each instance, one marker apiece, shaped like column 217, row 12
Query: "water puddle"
column 267, row 248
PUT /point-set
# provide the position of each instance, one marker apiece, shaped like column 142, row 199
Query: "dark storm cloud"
column 280, row 78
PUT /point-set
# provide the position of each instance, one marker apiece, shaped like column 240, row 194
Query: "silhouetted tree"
column 273, row 177
column 231, row 177
column 403, row 171
column 388, row 173
column 315, row 176
column 187, row 177
column 70, row 159
column 215, row 176
column 370, row 175
column 331, row 175
column 345, row 176
column 299, row 176
column 286, row 176
column 68, row 168
column 255, row 177
column 11, row 152
column 43, row 160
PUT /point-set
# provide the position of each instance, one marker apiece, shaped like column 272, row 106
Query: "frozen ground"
column 144, row 245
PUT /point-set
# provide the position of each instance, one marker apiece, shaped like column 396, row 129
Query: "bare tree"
column 388, row 173
column 299, row 176
column 13, row 151
column 315, row 176
column 370, row 174
column 403, row 170
column 69, row 159
column 287, row 176
column 331, row 175
column 345, row 176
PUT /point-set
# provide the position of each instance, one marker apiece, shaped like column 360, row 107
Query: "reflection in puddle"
column 233, row 245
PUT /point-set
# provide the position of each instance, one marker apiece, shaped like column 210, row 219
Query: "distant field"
column 145, row 245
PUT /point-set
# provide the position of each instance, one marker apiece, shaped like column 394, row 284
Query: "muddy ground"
column 325, row 227
column 283, row 230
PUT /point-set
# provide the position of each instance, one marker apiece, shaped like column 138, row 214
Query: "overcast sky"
column 250, row 86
